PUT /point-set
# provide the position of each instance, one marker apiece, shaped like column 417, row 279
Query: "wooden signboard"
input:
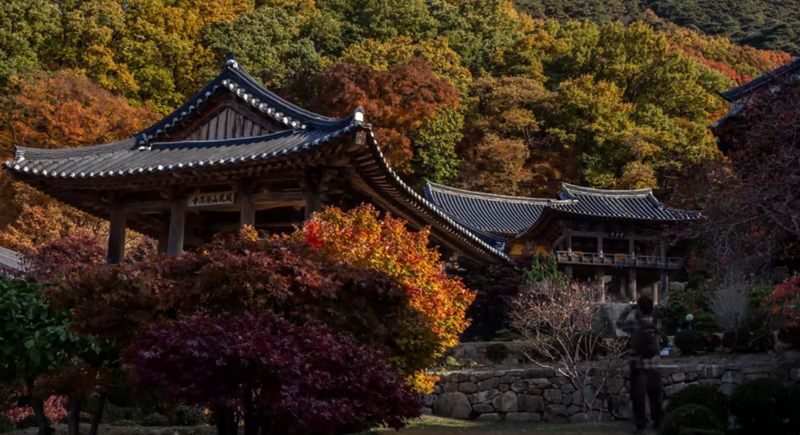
column 211, row 199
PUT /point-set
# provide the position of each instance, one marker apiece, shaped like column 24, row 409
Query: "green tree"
column 272, row 43
column 35, row 340
column 434, row 146
column 26, row 26
column 478, row 28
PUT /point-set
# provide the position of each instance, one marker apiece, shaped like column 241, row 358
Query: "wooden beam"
column 116, row 235
column 147, row 206
column 177, row 224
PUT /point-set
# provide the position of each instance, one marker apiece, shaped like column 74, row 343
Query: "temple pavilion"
column 236, row 154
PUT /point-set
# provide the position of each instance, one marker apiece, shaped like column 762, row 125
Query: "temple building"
column 613, row 237
column 236, row 154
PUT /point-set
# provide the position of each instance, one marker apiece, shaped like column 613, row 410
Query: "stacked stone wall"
column 541, row 394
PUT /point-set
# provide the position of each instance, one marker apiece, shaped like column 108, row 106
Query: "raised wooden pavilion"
column 614, row 237
column 235, row 154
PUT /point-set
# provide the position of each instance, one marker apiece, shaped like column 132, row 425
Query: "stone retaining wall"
column 542, row 395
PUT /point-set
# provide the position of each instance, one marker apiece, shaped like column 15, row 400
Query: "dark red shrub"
column 298, row 379
column 236, row 274
column 54, row 260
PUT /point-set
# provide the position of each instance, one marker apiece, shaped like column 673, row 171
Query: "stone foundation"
column 542, row 395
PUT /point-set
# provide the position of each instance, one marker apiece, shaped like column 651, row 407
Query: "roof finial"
column 359, row 114
column 230, row 60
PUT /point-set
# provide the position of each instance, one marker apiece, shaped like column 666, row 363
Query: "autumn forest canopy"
column 482, row 94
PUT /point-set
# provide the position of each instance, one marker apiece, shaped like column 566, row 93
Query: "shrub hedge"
column 7, row 424
column 692, row 341
column 156, row 420
column 691, row 416
column 497, row 352
column 188, row 416
column 761, row 404
column 704, row 395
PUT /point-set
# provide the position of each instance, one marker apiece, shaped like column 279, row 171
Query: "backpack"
column 644, row 340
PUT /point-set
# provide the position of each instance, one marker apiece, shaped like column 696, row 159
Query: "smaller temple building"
column 619, row 238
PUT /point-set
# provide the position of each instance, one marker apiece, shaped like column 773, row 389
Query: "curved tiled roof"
column 519, row 216
column 624, row 204
column 128, row 158
column 487, row 212
column 747, row 88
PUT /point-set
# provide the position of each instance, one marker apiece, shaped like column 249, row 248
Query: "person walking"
column 641, row 324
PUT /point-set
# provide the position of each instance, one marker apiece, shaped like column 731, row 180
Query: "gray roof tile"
column 127, row 157
column 487, row 212
column 11, row 260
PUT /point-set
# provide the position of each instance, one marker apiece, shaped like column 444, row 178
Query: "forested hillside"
column 470, row 93
column 765, row 24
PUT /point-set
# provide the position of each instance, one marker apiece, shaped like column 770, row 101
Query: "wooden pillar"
column 623, row 287
column 655, row 292
column 311, row 191
column 634, row 296
column 248, row 210
column 664, row 282
column 632, row 246
column 163, row 240
column 568, row 271
column 177, row 225
column 601, row 282
column 600, row 245
column 569, row 241
column 116, row 235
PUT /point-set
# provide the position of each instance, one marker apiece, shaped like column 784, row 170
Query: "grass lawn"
column 428, row 425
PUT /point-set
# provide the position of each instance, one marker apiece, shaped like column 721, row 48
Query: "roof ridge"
column 488, row 196
column 232, row 141
column 605, row 192
column 236, row 80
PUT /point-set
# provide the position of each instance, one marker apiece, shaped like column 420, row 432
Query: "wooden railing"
column 622, row 260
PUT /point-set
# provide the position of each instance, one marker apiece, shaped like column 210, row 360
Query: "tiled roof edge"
column 638, row 193
column 765, row 79
column 487, row 196
column 432, row 207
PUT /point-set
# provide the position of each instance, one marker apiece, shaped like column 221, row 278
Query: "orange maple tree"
column 65, row 110
column 361, row 239
column 396, row 101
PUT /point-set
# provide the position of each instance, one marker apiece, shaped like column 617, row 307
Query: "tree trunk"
column 37, row 403
column 74, row 414
column 98, row 414
column 232, row 423
column 249, row 413
column 221, row 420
